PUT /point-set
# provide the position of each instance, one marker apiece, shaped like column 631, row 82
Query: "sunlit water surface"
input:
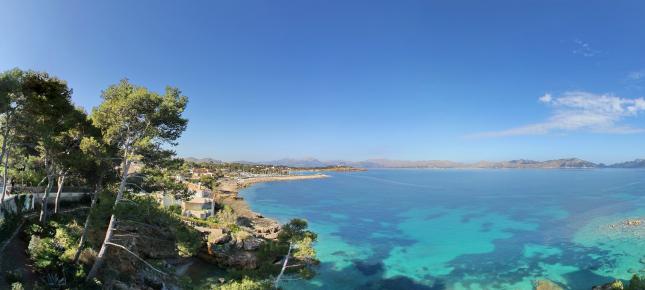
column 465, row 229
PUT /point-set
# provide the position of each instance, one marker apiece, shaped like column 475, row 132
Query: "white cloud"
column 636, row 75
column 546, row 98
column 584, row 49
column 581, row 111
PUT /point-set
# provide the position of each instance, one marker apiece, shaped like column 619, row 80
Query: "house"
column 199, row 190
column 199, row 207
column 199, row 172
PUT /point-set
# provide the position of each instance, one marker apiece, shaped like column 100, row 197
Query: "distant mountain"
column 390, row 163
column 638, row 163
column 209, row 160
column 559, row 163
column 307, row 162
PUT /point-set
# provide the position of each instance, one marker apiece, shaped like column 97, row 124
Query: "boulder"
column 234, row 258
column 252, row 243
column 218, row 236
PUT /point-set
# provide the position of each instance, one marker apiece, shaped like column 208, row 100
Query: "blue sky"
column 458, row 80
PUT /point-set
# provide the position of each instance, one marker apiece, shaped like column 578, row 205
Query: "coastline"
column 227, row 193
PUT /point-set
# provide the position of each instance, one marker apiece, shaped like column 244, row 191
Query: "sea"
column 466, row 229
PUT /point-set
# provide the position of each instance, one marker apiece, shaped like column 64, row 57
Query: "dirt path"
column 14, row 258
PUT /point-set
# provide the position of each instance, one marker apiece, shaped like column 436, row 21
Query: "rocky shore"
column 238, row 248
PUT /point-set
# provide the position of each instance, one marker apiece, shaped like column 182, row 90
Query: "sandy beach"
column 227, row 194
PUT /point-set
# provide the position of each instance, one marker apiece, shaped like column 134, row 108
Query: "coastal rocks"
column 616, row 285
column 633, row 222
column 218, row 236
column 235, row 258
column 252, row 243
column 233, row 250
column 545, row 285
column 266, row 228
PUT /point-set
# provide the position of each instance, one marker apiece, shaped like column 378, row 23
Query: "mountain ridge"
column 440, row 164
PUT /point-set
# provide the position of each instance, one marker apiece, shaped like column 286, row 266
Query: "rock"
column 218, row 236
column 616, row 285
column 221, row 280
column 266, row 228
column 252, row 243
column 633, row 222
column 231, row 258
column 545, row 285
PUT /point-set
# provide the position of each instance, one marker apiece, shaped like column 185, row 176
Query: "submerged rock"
column 545, row 285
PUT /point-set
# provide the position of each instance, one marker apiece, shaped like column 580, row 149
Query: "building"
column 199, row 172
column 199, row 207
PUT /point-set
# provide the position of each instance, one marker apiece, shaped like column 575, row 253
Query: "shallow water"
column 465, row 229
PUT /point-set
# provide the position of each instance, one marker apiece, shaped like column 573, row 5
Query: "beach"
column 227, row 194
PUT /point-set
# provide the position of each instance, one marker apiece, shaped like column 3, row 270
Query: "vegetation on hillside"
column 121, row 151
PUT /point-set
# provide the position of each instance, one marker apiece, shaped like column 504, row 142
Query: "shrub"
column 43, row 252
column 176, row 209
column 617, row 285
column 636, row 283
column 245, row 284
column 226, row 216
column 188, row 241
column 17, row 286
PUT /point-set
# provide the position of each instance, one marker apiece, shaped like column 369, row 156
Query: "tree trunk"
column 284, row 265
column 4, row 175
column 99, row 187
column 43, row 211
column 61, row 180
column 110, row 230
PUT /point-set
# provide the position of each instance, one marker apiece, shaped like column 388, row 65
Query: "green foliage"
column 617, row 285
column 43, row 251
column 295, row 231
column 17, row 286
column 304, row 249
column 67, row 237
column 245, row 284
column 226, row 216
column 146, row 210
column 208, row 181
column 212, row 219
column 176, row 209
column 137, row 120
column 636, row 283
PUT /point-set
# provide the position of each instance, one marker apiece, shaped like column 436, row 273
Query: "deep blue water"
column 465, row 229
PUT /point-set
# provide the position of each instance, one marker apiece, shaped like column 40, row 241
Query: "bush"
column 43, row 251
column 146, row 210
column 176, row 209
column 17, row 286
column 636, row 283
column 227, row 216
column 245, row 284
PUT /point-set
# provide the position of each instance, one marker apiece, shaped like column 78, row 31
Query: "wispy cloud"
column 636, row 75
column 580, row 111
column 635, row 80
column 584, row 49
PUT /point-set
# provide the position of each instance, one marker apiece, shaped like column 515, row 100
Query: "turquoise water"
column 465, row 229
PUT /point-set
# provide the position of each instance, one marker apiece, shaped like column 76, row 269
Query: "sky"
column 354, row 80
